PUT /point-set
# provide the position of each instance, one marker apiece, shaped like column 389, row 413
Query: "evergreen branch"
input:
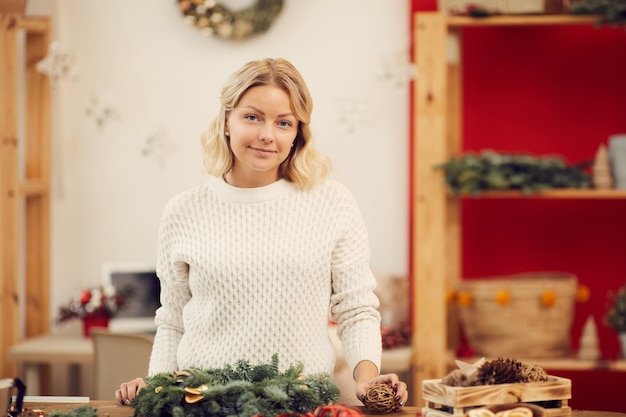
column 613, row 11
column 83, row 411
column 490, row 170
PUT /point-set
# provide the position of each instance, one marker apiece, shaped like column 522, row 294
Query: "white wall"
column 161, row 78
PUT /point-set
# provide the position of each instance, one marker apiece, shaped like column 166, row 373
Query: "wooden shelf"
column 563, row 364
column 591, row 194
column 522, row 20
column 436, row 221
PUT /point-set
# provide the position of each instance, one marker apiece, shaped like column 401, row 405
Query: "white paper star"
column 157, row 146
column 57, row 64
column 398, row 70
column 469, row 369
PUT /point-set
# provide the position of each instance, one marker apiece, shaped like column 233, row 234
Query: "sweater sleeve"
column 354, row 306
column 175, row 293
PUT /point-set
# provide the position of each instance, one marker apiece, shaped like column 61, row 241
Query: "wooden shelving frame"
column 436, row 229
column 24, row 184
column 568, row 364
column 570, row 194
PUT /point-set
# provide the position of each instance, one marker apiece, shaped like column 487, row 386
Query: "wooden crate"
column 445, row 401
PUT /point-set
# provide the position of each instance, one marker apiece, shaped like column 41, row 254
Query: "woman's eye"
column 284, row 123
column 252, row 117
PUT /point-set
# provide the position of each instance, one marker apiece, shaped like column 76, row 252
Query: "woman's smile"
column 262, row 150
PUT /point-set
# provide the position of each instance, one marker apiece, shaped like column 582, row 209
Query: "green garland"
column 215, row 19
column 613, row 11
column 242, row 390
column 82, row 411
column 616, row 316
column 490, row 170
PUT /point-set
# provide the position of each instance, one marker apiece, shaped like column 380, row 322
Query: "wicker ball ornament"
column 380, row 399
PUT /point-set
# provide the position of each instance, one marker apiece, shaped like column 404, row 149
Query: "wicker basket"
column 523, row 315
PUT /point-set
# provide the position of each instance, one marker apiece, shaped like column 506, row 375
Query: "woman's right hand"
column 128, row 390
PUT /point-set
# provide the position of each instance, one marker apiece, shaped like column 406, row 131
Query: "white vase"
column 617, row 158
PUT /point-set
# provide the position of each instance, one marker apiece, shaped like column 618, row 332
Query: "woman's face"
column 261, row 128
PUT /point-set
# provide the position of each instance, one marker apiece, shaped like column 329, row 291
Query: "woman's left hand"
column 399, row 388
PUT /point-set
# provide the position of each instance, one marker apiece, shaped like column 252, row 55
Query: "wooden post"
column 9, row 201
column 429, row 257
column 36, row 184
column 454, row 135
column 24, row 185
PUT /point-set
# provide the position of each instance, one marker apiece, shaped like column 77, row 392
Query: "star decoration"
column 470, row 369
column 398, row 70
column 352, row 114
column 102, row 112
column 57, row 65
column 158, row 147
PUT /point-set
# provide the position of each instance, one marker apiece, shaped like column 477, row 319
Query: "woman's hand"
column 399, row 388
column 365, row 375
column 128, row 390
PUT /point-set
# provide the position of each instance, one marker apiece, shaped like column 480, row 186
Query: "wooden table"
column 33, row 355
column 112, row 409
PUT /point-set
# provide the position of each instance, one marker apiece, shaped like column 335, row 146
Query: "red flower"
column 85, row 297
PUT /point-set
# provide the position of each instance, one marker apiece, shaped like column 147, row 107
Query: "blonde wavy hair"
column 305, row 166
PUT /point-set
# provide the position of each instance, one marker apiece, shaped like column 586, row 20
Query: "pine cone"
column 499, row 371
column 456, row 378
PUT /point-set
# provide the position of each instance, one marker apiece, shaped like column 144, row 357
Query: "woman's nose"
column 267, row 133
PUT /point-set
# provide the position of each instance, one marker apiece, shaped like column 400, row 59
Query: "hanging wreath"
column 215, row 19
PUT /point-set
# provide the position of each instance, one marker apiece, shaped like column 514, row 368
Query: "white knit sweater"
column 249, row 272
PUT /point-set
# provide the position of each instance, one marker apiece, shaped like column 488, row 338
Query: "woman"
column 251, row 262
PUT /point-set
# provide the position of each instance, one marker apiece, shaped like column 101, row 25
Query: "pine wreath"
column 241, row 390
column 215, row 19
